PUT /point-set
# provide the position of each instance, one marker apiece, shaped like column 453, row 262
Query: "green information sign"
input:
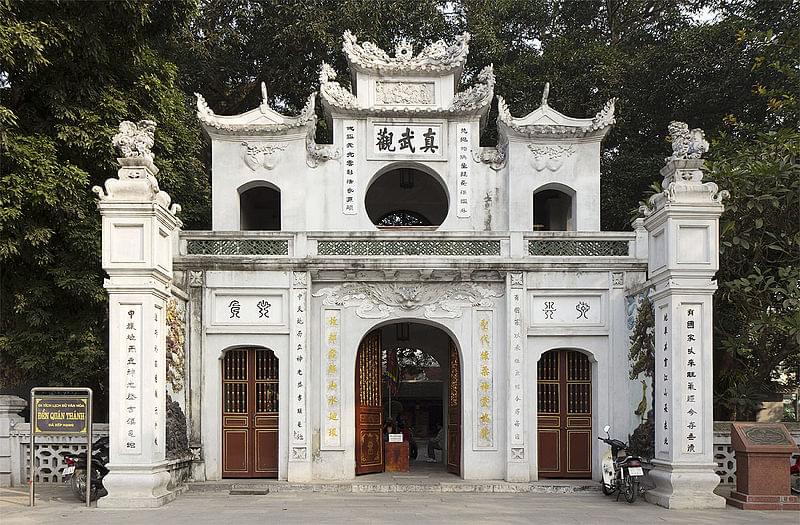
column 65, row 415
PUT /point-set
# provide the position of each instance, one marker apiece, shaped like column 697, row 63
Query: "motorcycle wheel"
column 607, row 490
column 631, row 490
column 78, row 484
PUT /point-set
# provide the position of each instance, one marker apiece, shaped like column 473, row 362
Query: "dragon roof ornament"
column 262, row 119
column 435, row 57
column 546, row 121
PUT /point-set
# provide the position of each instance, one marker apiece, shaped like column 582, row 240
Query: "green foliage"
column 757, row 307
column 642, row 351
column 70, row 75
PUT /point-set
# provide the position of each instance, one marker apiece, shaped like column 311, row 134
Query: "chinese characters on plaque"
column 131, row 320
column 516, row 335
column 158, row 365
column 692, row 396
column 248, row 309
column 663, row 402
column 484, row 381
column 464, row 145
column 331, row 374
column 567, row 309
column 415, row 140
column 299, row 306
column 349, row 176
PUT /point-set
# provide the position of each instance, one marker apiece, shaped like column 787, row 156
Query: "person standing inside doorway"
column 435, row 443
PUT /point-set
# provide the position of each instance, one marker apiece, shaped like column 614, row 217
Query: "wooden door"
column 250, row 414
column 454, row 413
column 565, row 415
column 369, row 409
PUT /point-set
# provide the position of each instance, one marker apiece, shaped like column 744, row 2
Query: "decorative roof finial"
column 134, row 140
column 263, row 93
column 545, row 93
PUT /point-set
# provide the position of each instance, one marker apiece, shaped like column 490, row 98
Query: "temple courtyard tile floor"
column 57, row 505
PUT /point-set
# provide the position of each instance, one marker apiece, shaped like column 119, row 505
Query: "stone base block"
column 684, row 486
column 198, row 472
column 518, row 472
column 299, row 471
column 137, row 486
column 763, row 502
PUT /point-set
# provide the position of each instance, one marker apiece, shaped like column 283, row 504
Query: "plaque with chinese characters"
column 691, row 354
column 464, row 170
column 410, row 141
column 131, row 334
column 484, row 381
column 331, row 411
column 349, row 168
column 249, row 309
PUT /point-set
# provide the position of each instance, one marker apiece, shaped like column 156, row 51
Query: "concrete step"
column 261, row 487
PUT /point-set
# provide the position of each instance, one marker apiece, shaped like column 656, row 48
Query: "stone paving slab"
column 57, row 505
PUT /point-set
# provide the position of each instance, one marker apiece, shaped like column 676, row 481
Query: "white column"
column 138, row 231
column 517, row 449
column 300, row 372
column 682, row 225
column 10, row 407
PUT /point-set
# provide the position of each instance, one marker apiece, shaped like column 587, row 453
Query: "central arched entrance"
column 409, row 375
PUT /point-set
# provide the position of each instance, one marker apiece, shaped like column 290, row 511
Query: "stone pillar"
column 299, row 455
column 195, row 387
column 139, row 227
column 682, row 225
column 517, row 450
column 10, row 407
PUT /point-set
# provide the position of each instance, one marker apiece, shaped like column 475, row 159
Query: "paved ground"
column 196, row 508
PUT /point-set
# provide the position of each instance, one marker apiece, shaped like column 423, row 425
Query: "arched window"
column 406, row 197
column 259, row 207
column 553, row 210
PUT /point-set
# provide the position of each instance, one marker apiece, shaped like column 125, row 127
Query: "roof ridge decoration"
column 435, row 57
column 477, row 96
column 259, row 120
column 557, row 124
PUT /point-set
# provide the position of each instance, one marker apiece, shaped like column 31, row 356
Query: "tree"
column 70, row 75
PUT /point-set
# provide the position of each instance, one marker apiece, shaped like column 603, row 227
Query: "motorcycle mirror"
column 606, row 429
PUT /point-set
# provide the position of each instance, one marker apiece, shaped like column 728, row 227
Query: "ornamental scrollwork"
column 381, row 300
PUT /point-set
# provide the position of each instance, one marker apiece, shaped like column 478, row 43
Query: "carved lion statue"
column 135, row 139
column 686, row 143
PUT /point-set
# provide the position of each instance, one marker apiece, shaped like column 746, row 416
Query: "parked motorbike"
column 75, row 473
column 622, row 473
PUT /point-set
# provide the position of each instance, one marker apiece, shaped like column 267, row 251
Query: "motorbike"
column 75, row 473
column 794, row 472
column 622, row 473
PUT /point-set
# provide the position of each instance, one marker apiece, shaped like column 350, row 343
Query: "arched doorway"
column 410, row 374
column 565, row 414
column 259, row 207
column 554, row 208
column 249, row 413
column 406, row 197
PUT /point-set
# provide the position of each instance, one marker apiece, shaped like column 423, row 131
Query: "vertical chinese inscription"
column 485, row 381
column 692, row 355
column 131, row 333
column 663, row 404
column 331, row 374
column 159, row 366
column 300, row 358
column 464, row 145
column 349, row 179
column 516, row 339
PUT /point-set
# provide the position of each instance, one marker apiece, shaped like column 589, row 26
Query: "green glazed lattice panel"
column 573, row 248
column 237, row 247
column 441, row 248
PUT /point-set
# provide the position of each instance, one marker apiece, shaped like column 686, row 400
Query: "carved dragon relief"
column 381, row 300
column 438, row 56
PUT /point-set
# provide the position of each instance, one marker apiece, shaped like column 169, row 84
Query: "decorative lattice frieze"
column 576, row 248
column 237, row 247
column 422, row 247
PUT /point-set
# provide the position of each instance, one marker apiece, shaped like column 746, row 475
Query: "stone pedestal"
column 10, row 407
column 683, row 248
column 762, row 467
column 139, row 230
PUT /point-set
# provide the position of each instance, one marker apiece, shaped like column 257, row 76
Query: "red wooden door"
column 369, row 409
column 454, row 413
column 565, row 415
column 250, row 414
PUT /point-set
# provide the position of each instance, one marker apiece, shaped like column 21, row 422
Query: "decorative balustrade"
column 513, row 245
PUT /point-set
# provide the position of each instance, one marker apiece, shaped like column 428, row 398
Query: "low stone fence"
column 725, row 456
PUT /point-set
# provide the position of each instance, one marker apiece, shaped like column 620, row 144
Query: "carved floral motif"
column 419, row 93
column 550, row 157
column 380, row 300
column 262, row 155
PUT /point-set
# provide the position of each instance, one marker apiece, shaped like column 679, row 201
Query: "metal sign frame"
column 61, row 392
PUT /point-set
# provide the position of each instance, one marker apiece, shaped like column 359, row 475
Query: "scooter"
column 794, row 472
column 75, row 473
column 622, row 473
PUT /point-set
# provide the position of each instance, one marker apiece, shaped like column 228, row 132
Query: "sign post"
column 64, row 412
